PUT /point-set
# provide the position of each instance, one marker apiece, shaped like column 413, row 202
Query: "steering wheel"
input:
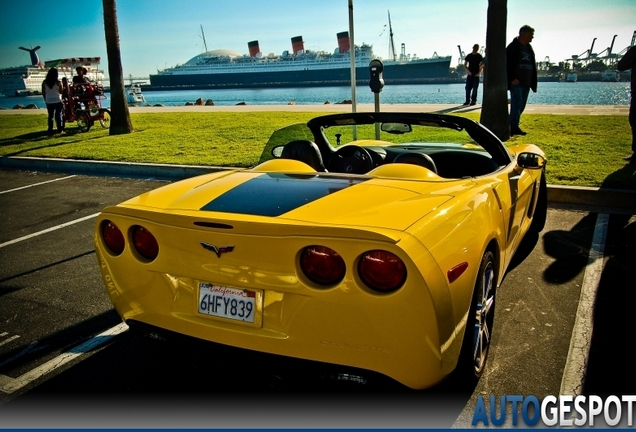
column 350, row 159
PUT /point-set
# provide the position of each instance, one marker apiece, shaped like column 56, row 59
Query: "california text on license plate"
column 232, row 303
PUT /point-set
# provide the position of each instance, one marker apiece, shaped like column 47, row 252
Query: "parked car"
column 368, row 240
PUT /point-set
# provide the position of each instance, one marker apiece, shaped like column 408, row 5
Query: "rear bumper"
column 273, row 371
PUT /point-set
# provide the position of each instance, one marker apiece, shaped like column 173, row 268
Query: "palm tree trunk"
column 120, row 116
column 494, row 112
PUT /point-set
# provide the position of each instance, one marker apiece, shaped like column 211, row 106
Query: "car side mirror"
column 531, row 161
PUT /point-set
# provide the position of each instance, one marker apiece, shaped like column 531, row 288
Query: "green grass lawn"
column 582, row 150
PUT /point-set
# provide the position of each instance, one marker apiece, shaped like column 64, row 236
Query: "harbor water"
column 549, row 93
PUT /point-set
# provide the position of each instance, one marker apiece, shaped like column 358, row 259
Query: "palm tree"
column 120, row 116
column 494, row 112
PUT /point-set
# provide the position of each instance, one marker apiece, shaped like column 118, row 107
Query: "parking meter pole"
column 376, row 83
column 352, row 54
column 377, row 109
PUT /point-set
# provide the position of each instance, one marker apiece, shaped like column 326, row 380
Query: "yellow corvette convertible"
column 374, row 241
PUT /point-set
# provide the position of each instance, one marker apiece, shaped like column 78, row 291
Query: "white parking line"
column 9, row 385
column 36, row 184
column 26, row 237
column 576, row 364
column 6, row 341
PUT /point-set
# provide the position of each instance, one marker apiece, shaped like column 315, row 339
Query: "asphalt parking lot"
column 63, row 346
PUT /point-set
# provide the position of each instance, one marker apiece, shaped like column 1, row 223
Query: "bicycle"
column 83, row 105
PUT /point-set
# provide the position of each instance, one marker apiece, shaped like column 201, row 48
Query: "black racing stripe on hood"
column 276, row 194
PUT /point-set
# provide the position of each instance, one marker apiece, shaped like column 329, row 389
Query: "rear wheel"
column 479, row 326
column 83, row 121
column 104, row 118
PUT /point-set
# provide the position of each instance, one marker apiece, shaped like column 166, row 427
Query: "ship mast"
column 392, row 46
column 205, row 45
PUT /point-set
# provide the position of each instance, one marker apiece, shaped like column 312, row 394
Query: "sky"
column 155, row 34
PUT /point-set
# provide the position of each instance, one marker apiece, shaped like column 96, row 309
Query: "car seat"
column 420, row 159
column 304, row 151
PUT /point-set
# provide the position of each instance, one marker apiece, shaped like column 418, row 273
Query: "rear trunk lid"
column 308, row 200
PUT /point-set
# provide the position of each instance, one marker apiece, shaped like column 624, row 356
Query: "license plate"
column 225, row 302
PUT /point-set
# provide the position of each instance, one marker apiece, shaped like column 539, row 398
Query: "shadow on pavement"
column 143, row 378
column 570, row 250
column 611, row 369
column 624, row 178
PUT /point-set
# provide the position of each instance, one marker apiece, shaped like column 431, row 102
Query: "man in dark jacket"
column 629, row 62
column 522, row 75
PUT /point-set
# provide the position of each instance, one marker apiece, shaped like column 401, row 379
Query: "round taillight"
column 113, row 237
column 382, row 271
column 322, row 265
column 145, row 243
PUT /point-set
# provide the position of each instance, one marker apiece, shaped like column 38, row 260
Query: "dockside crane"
column 606, row 55
column 590, row 53
column 622, row 53
column 587, row 53
column 462, row 56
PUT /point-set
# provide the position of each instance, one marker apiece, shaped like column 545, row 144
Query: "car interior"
column 449, row 147
column 447, row 160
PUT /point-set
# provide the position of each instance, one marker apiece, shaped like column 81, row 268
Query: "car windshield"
column 365, row 134
column 397, row 134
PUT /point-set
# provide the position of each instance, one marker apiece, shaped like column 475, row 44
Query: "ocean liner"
column 298, row 68
column 27, row 80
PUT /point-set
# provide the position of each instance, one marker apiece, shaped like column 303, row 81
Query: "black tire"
column 104, row 118
column 478, row 334
column 540, row 214
column 83, row 121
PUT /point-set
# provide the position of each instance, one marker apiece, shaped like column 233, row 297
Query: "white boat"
column 610, row 76
column 21, row 80
column 571, row 77
column 134, row 96
column 27, row 80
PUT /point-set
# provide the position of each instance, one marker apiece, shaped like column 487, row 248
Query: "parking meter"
column 376, row 82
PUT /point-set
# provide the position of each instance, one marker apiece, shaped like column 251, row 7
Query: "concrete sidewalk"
column 337, row 107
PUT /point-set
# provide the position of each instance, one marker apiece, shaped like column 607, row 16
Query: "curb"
column 570, row 195
column 588, row 196
column 104, row 168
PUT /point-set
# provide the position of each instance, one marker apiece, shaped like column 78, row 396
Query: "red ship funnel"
column 298, row 46
column 254, row 48
column 343, row 42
